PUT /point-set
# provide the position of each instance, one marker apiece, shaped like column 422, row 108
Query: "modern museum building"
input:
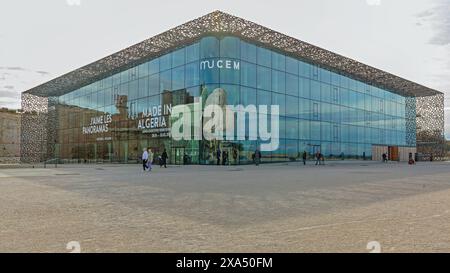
column 112, row 109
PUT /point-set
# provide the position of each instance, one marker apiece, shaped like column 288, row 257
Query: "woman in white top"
column 150, row 160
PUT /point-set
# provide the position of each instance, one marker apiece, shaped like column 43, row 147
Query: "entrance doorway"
column 393, row 153
column 313, row 149
column 177, row 157
column 232, row 153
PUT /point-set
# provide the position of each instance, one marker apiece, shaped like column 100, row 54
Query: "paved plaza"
column 339, row 207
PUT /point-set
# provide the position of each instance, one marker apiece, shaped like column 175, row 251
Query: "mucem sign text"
column 221, row 64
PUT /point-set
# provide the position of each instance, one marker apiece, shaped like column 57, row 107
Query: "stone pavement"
column 339, row 207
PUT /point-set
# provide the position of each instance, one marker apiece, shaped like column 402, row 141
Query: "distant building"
column 9, row 136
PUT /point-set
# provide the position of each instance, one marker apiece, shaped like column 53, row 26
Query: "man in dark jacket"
column 224, row 158
column 218, row 154
column 164, row 158
column 318, row 157
column 384, row 158
column 257, row 157
column 304, row 157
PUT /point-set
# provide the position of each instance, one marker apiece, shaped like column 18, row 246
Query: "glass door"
column 314, row 149
column 178, row 156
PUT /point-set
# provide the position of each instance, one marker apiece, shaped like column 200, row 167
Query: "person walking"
column 218, row 154
column 304, row 155
column 164, row 158
column 257, row 157
column 144, row 159
column 384, row 157
column 235, row 156
column 317, row 158
column 224, row 158
column 160, row 161
column 150, row 160
column 411, row 160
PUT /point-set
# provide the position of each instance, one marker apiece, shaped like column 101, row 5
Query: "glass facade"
column 319, row 109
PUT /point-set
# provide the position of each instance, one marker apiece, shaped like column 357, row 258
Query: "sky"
column 41, row 40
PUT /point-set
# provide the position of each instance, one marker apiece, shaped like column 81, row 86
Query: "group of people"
column 411, row 160
column 222, row 157
column 320, row 158
column 148, row 158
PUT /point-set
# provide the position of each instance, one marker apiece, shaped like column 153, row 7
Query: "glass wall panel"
column 248, row 74
column 230, row 47
column 143, row 89
column 292, row 128
column 292, row 107
column 165, row 81
column 304, row 129
column 153, row 85
column 230, row 76
column 153, row 66
column 264, row 78
column 248, row 96
column 192, row 53
column 178, row 78
column 165, row 62
column 211, row 75
column 278, row 61
column 304, row 70
column 209, row 47
column 292, row 66
column 291, row 84
column 178, row 57
column 319, row 109
column 280, row 100
column 192, row 74
column 315, row 90
column 304, row 88
column 304, row 109
column 264, row 57
column 278, row 81
column 264, row 98
column 248, row 52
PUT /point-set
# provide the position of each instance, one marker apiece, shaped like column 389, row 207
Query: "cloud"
column 8, row 94
column 16, row 79
column 43, row 72
column 14, row 68
column 438, row 17
column 425, row 14
column 9, row 97
column 8, row 100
